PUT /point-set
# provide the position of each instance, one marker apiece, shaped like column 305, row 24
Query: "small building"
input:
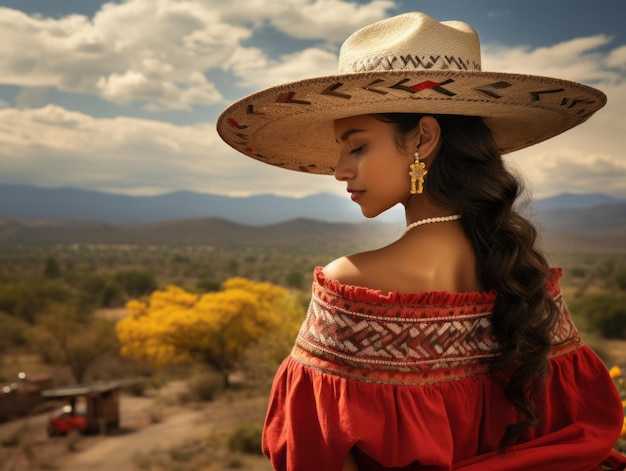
column 22, row 396
column 101, row 401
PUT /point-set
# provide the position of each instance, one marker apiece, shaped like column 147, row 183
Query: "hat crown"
column 412, row 41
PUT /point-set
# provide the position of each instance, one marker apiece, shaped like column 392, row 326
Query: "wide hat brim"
column 291, row 125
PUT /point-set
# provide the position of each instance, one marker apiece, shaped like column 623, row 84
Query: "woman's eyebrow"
column 348, row 133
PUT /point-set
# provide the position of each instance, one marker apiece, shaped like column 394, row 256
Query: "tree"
column 64, row 335
column 97, row 290
column 294, row 279
column 136, row 282
column 603, row 312
column 51, row 268
column 28, row 297
column 13, row 331
column 214, row 328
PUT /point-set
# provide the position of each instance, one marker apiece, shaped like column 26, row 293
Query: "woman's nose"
column 344, row 169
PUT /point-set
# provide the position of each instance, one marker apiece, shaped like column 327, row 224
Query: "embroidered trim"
column 414, row 62
column 426, row 348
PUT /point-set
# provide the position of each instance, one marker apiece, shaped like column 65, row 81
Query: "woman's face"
column 376, row 172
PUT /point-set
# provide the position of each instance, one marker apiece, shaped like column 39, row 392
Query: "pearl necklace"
column 421, row 222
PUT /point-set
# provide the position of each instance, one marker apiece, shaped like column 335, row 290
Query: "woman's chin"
column 369, row 213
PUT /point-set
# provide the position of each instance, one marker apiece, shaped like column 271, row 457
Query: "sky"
column 122, row 96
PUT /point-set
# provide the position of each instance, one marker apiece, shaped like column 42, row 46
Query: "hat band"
column 413, row 62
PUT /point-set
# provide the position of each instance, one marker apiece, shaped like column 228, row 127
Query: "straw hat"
column 409, row 63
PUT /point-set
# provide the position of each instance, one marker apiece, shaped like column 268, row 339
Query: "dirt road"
column 140, row 438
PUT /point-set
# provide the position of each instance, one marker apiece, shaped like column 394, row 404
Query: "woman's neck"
column 419, row 207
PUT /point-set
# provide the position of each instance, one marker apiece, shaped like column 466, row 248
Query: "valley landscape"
column 87, row 255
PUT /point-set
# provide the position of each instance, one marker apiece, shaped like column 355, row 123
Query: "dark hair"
column 468, row 175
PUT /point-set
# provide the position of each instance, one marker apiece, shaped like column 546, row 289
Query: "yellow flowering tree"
column 214, row 328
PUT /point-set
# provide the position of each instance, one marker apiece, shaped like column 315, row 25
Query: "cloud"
column 554, row 170
column 331, row 19
column 160, row 52
column 163, row 53
column 32, row 97
column 153, row 51
column 617, row 59
column 54, row 147
column 589, row 157
column 578, row 59
column 586, row 159
column 256, row 71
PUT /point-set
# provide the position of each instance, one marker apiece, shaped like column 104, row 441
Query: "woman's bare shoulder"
column 376, row 269
column 347, row 270
column 435, row 260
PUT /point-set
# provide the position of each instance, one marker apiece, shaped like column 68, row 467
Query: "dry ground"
column 151, row 427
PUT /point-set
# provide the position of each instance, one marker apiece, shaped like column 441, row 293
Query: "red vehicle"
column 66, row 420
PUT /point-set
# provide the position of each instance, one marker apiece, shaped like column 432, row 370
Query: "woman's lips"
column 355, row 195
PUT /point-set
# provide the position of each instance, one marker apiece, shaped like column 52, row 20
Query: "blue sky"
column 123, row 96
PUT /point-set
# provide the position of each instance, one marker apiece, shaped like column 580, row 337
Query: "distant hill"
column 584, row 219
column 31, row 215
column 20, row 202
column 575, row 201
column 29, row 202
column 297, row 234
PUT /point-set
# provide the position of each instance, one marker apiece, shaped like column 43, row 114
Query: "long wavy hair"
column 468, row 176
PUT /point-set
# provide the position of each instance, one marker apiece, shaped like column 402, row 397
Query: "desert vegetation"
column 218, row 320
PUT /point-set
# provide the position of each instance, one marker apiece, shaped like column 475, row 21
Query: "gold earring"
column 418, row 170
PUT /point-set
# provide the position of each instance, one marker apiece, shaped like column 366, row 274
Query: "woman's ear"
column 428, row 137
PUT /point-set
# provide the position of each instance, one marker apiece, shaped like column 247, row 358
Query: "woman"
column 450, row 348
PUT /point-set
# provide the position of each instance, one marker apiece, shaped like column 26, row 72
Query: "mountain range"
column 72, row 204
column 29, row 202
column 70, row 215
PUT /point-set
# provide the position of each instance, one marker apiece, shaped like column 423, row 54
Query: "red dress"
column 401, row 381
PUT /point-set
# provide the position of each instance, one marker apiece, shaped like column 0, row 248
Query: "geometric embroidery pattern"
column 489, row 89
column 387, row 341
column 371, row 342
column 413, row 62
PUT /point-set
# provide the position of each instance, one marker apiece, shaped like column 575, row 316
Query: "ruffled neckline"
column 422, row 298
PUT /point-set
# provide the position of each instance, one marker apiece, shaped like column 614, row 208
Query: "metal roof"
column 89, row 389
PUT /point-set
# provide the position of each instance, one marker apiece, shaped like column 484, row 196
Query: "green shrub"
column 605, row 313
column 204, row 386
column 72, row 440
column 294, row 279
column 28, row 297
column 246, row 438
column 234, row 462
column 620, row 280
column 51, row 268
column 208, row 285
column 99, row 290
column 578, row 272
column 13, row 332
column 136, row 283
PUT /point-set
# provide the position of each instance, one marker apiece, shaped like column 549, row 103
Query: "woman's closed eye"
column 357, row 150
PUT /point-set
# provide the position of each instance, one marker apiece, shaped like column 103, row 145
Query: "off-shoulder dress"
column 402, row 381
